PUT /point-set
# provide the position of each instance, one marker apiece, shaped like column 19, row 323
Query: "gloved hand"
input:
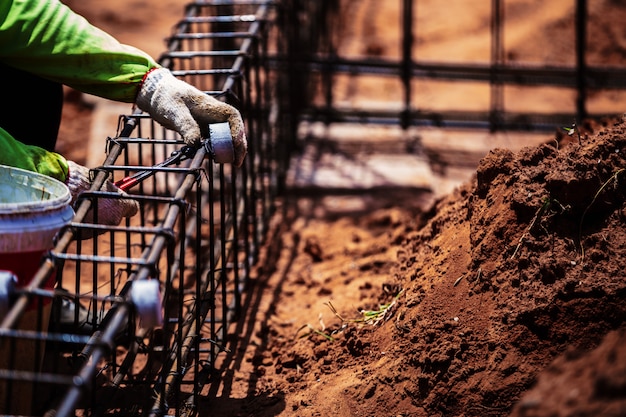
column 110, row 211
column 181, row 107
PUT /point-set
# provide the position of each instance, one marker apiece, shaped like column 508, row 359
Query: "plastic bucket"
column 33, row 207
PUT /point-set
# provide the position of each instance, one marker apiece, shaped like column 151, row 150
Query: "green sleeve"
column 48, row 39
column 31, row 158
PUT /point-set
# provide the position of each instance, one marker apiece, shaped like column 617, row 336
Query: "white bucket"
column 33, row 207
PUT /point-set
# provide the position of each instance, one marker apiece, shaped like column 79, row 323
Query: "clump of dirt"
column 458, row 311
column 591, row 384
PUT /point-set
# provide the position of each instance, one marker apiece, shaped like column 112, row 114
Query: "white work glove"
column 181, row 107
column 110, row 211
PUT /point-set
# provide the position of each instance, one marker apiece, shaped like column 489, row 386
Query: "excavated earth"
column 506, row 298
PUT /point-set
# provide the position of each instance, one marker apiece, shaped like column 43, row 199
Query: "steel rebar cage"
column 317, row 60
column 100, row 341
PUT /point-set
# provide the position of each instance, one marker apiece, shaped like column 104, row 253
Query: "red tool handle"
column 125, row 183
column 220, row 145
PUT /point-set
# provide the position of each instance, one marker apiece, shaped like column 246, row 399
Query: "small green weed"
column 574, row 129
column 313, row 330
column 371, row 317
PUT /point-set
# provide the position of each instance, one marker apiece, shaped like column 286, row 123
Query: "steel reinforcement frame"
column 102, row 342
column 315, row 61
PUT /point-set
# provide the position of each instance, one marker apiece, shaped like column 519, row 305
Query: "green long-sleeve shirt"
column 48, row 39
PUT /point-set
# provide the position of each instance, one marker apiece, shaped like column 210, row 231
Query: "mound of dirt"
column 458, row 311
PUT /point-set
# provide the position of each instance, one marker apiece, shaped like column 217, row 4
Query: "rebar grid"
column 316, row 62
column 197, row 233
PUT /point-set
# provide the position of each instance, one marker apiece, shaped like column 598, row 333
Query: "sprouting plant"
column 372, row 317
column 595, row 197
column 574, row 129
column 312, row 330
column 316, row 331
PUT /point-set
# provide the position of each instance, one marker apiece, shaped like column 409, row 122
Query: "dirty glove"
column 110, row 211
column 181, row 107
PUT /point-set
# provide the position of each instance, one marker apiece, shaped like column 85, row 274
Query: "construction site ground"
column 426, row 272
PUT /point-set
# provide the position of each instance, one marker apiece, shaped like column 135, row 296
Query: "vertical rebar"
column 325, row 24
column 297, row 86
column 581, row 66
column 407, row 61
column 497, row 58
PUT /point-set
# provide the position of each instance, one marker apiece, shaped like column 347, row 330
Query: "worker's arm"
column 31, row 158
column 50, row 40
